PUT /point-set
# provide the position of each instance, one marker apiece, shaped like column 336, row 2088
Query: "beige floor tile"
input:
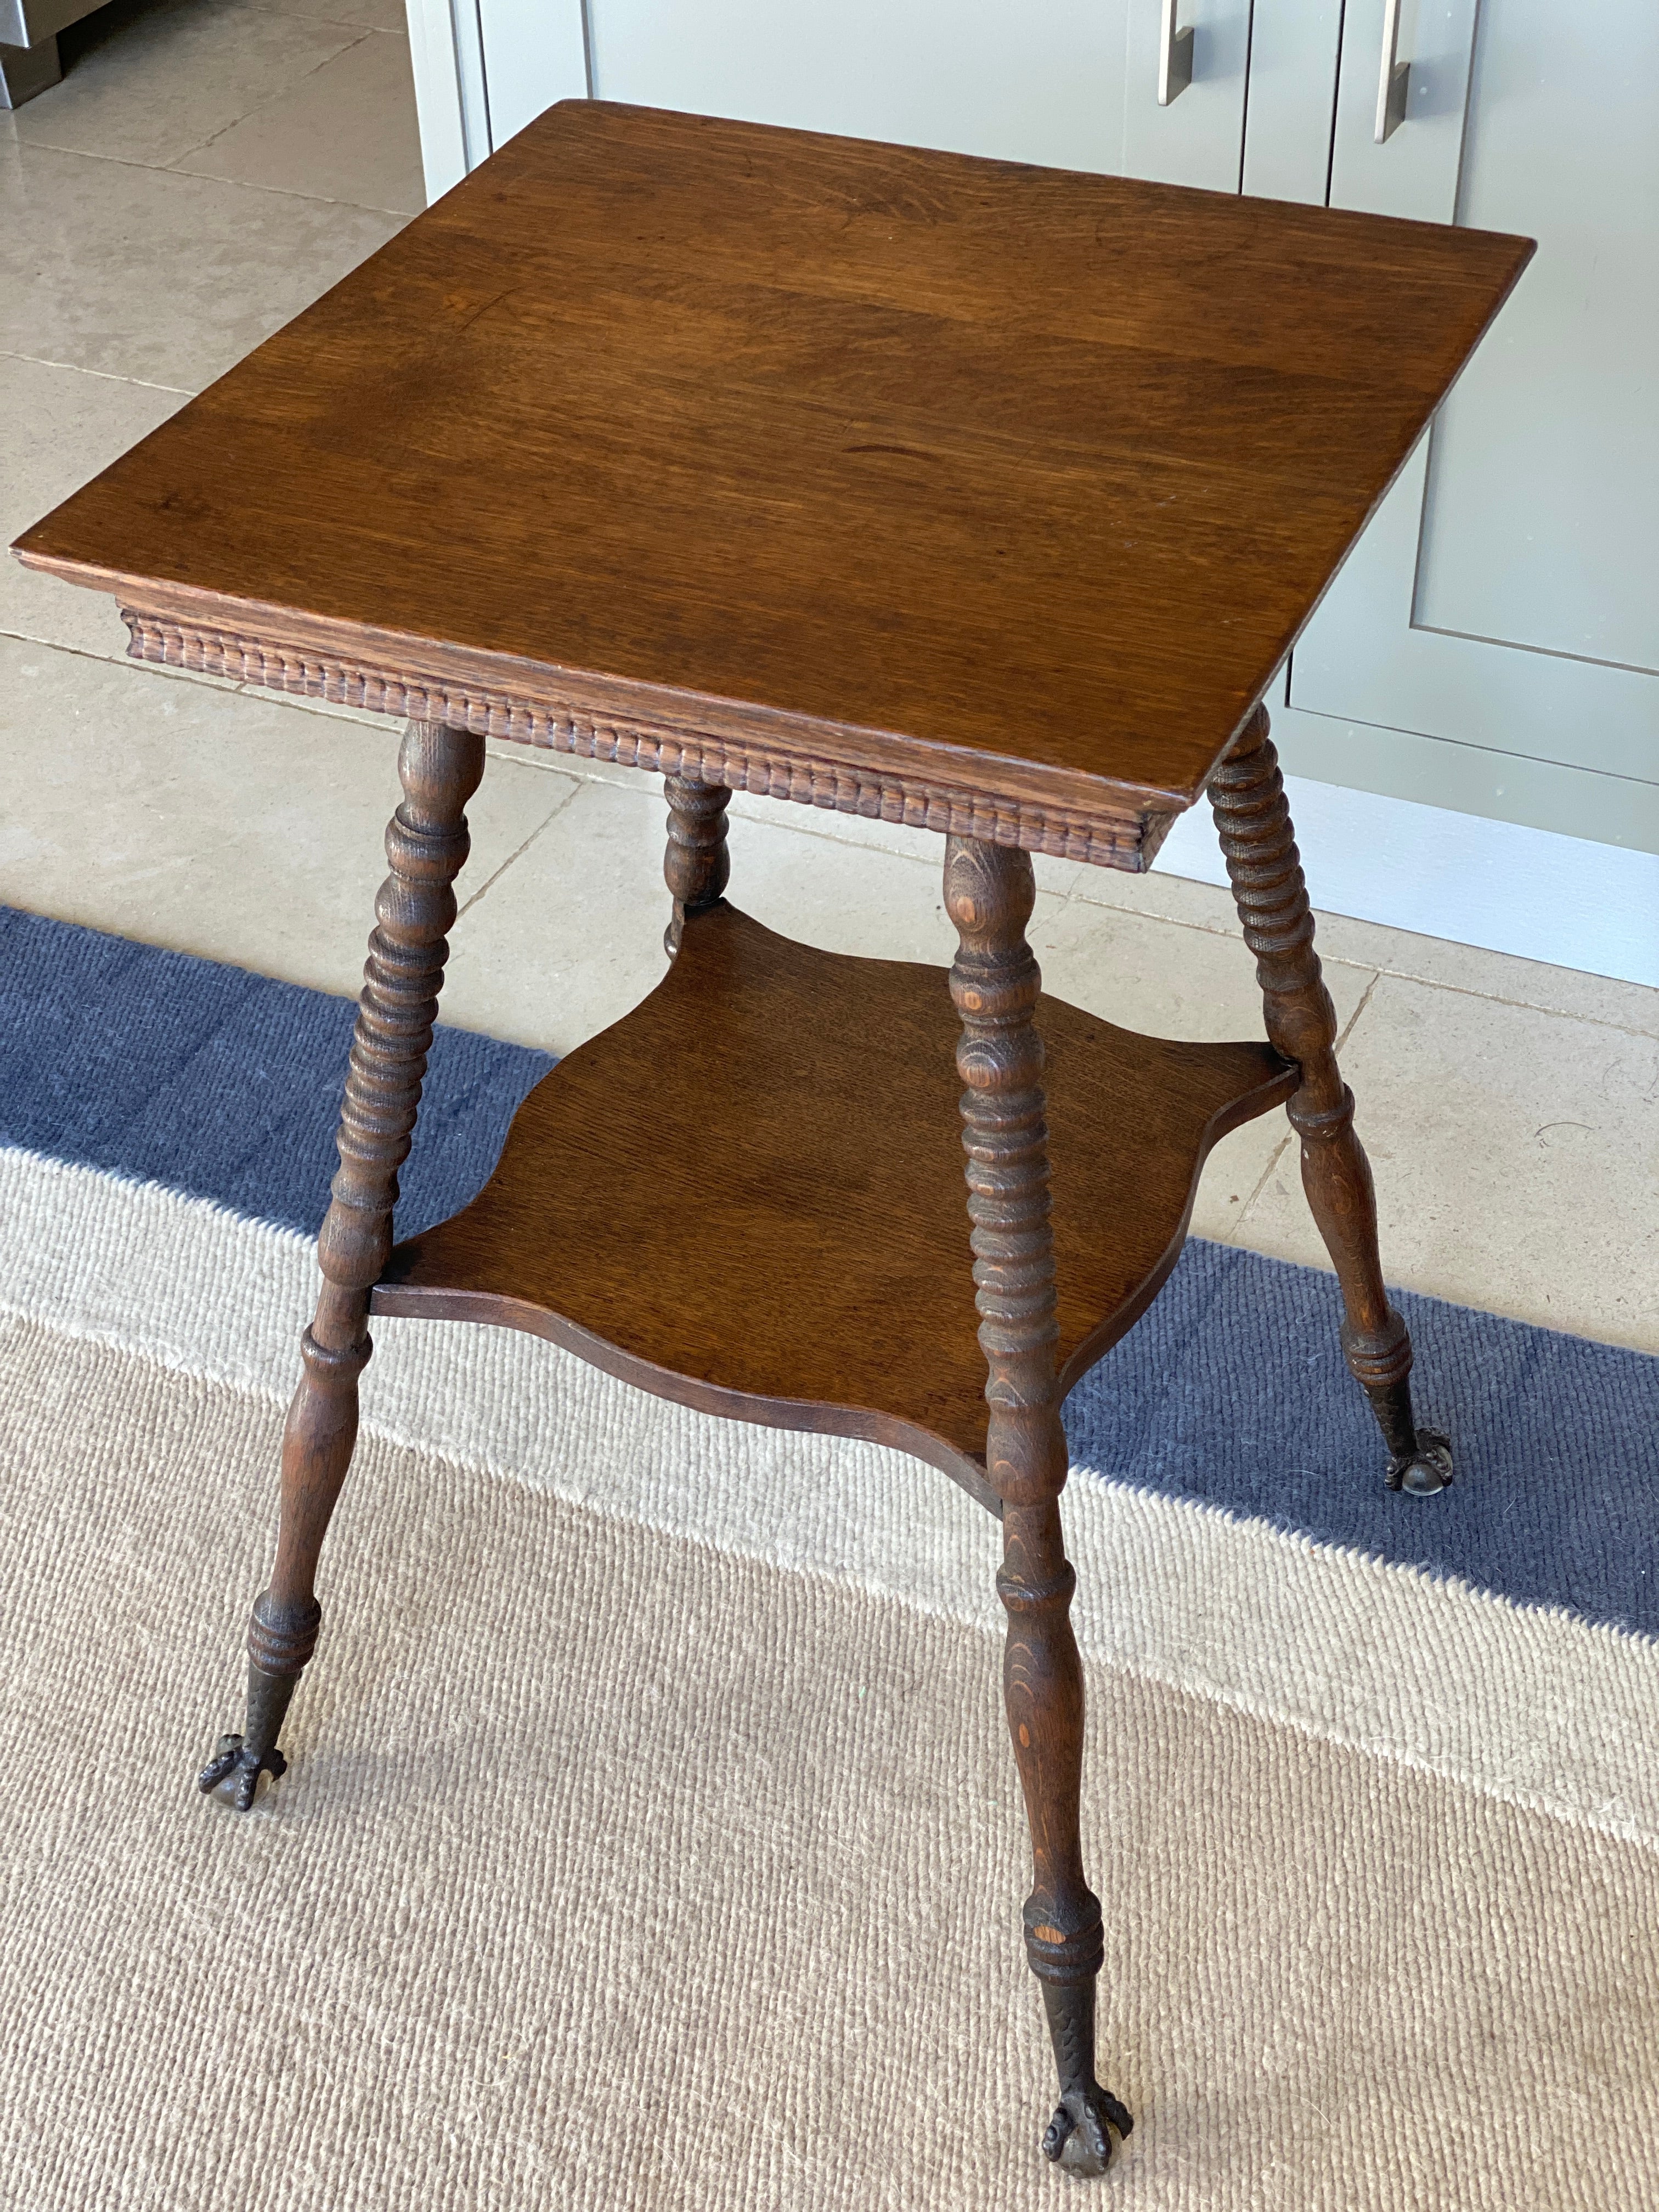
column 895, row 837
column 1234, row 1172
column 872, row 900
column 1392, row 951
column 149, row 274
column 209, row 820
column 1516, row 1157
column 1054, row 876
column 1147, row 974
column 335, row 712
column 570, row 937
column 372, row 14
column 346, row 132
column 1166, row 979
column 844, row 898
column 1493, row 975
column 1160, row 896
column 64, row 427
column 585, row 771
column 148, row 80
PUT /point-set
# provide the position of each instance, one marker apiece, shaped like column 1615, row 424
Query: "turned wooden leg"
column 1247, row 793
column 425, row 843
column 989, row 892
column 697, row 863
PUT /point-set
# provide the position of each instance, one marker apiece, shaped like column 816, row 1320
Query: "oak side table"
column 954, row 493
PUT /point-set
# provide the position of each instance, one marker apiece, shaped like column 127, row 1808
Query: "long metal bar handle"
column 1395, row 81
column 1174, row 58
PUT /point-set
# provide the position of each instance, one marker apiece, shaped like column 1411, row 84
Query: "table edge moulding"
column 748, row 1194
column 880, row 775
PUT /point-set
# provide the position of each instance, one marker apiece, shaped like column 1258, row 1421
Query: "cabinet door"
column 1294, row 46
column 1069, row 83
column 1002, row 77
column 1198, row 136
column 1493, row 643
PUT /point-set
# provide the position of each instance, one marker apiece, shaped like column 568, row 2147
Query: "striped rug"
column 652, row 1838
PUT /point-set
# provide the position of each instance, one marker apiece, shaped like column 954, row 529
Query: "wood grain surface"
column 748, row 1194
column 1265, row 869
column 427, row 842
column 879, row 477
column 997, row 990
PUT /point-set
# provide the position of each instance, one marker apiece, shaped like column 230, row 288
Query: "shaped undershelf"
column 748, row 1194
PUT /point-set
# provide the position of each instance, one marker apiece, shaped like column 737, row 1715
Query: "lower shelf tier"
column 748, row 1195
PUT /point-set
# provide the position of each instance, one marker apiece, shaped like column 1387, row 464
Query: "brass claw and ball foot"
column 1080, row 2131
column 1427, row 1469
column 1079, row 2135
column 248, row 1757
column 233, row 1757
column 1419, row 1459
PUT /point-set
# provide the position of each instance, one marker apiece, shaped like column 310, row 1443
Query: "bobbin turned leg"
column 696, row 864
column 1248, row 794
column 426, row 842
column 988, row 893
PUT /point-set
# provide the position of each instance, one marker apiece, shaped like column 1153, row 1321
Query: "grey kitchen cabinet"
column 1071, row 83
column 1295, row 46
column 978, row 77
column 1197, row 138
column 1493, row 642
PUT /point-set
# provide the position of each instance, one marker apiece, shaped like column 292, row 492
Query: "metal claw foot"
column 268, row 1697
column 230, row 1757
column 1426, row 1471
column 1080, row 2133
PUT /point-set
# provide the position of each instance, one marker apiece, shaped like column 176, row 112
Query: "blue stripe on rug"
column 224, row 1084
column 1231, row 1392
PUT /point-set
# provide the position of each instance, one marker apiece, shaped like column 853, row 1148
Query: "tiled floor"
column 207, row 167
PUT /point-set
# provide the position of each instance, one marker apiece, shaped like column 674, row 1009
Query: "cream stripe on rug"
column 1541, row 1709
column 620, row 1868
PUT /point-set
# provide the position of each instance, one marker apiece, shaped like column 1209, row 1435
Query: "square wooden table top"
column 960, row 491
